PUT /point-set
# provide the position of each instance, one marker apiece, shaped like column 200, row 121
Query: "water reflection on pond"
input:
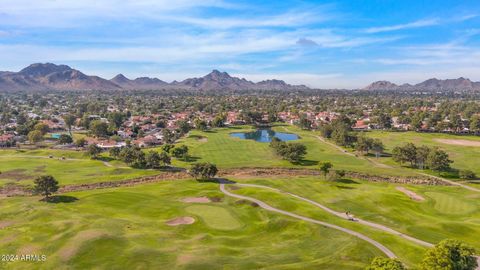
column 264, row 135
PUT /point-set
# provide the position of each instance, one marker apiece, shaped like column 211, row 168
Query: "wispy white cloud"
column 415, row 24
column 66, row 14
column 465, row 17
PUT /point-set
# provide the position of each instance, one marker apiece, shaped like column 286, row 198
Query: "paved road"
column 267, row 207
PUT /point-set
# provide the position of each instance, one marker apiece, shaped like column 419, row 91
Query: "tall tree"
column 152, row 159
column 422, row 153
column 93, row 151
column 42, row 127
column 99, row 128
column 69, row 121
column 377, row 147
column 45, row 185
column 325, row 168
column 438, row 160
column 35, row 136
column 406, row 153
column 180, row 152
column 450, row 254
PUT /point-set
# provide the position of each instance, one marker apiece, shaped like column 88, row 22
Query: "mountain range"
column 460, row 84
column 49, row 76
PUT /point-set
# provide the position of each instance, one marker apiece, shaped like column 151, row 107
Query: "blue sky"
column 327, row 44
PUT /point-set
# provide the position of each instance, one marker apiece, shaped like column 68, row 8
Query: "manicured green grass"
column 464, row 157
column 215, row 217
column 449, row 204
column 446, row 212
column 218, row 147
column 125, row 228
column 21, row 167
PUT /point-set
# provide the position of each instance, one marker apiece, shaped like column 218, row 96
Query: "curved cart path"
column 333, row 212
column 267, row 207
column 345, row 216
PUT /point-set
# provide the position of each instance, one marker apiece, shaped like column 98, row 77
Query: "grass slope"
column 218, row 147
column 125, row 228
column 446, row 212
column 22, row 167
column 464, row 157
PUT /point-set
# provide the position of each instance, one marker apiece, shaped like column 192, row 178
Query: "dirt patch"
column 17, row 175
column 72, row 247
column 196, row 200
column 414, row 196
column 180, row 221
column 185, row 259
column 13, row 189
column 459, row 142
column 28, row 249
column 126, row 183
column 216, row 199
column 8, row 239
column 204, row 139
column 5, row 223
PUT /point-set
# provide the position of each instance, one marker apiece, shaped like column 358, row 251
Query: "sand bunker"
column 414, row 196
column 459, row 142
column 180, row 221
column 196, row 200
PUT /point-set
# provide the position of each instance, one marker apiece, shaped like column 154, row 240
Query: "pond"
column 264, row 135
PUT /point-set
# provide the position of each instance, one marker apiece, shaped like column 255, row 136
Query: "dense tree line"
column 422, row 157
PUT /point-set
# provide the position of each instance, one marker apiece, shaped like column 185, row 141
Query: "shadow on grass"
column 106, row 159
column 216, row 180
column 306, row 162
column 172, row 169
column 450, row 174
column 210, row 131
column 344, row 187
column 197, row 137
column 60, row 199
column 347, row 181
column 191, row 159
column 236, row 127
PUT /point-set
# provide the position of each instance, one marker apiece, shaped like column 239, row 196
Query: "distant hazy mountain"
column 142, row 83
column 62, row 77
column 50, row 76
column 381, row 85
column 217, row 80
column 461, row 84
